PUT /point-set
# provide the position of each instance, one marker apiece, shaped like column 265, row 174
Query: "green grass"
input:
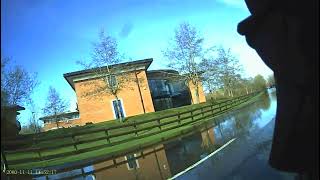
column 105, row 151
column 28, row 139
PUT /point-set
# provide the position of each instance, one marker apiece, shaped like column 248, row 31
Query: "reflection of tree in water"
column 265, row 102
column 208, row 142
column 244, row 119
column 220, row 130
column 225, row 126
column 264, row 146
column 192, row 147
column 136, row 173
column 183, row 153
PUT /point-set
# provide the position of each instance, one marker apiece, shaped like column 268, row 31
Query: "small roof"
column 168, row 71
column 69, row 76
column 59, row 115
column 162, row 74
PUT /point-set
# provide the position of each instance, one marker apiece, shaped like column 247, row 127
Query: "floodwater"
column 246, row 157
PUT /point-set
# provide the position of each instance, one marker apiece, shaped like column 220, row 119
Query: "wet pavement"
column 245, row 158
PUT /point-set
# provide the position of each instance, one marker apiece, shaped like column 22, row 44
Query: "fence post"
column 114, row 161
column 107, row 134
column 135, row 128
column 206, row 126
column 159, row 124
column 39, row 153
column 179, row 121
column 191, row 115
column 202, row 112
column 74, row 141
column 34, row 141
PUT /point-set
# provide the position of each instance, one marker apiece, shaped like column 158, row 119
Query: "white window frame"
column 122, row 105
column 137, row 162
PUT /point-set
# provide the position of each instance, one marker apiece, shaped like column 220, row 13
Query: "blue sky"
column 49, row 36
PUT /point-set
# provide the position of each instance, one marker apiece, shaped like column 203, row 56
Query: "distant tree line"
column 215, row 67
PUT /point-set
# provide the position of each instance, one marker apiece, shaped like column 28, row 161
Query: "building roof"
column 70, row 76
column 59, row 115
column 163, row 74
column 168, row 71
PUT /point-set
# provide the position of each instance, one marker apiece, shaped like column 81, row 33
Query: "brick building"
column 148, row 91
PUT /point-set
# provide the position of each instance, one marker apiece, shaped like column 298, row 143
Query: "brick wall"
column 202, row 97
column 99, row 108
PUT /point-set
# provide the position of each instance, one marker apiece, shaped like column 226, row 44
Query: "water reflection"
column 168, row 159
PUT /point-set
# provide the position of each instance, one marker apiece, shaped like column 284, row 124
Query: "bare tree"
column 210, row 74
column 55, row 105
column 185, row 52
column 34, row 125
column 17, row 84
column 109, row 78
column 229, row 69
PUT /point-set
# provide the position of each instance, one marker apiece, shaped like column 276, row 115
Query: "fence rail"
column 131, row 131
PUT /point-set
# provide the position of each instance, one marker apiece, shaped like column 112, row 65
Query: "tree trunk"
column 247, row 90
column 57, row 121
column 231, row 93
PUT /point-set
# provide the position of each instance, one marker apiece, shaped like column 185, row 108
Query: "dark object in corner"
column 10, row 126
column 285, row 34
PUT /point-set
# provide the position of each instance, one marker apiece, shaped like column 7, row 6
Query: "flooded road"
column 246, row 157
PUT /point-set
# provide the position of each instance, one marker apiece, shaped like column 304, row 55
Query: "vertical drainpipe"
column 141, row 99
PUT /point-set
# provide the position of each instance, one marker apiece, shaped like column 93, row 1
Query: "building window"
column 132, row 161
column 162, row 103
column 118, row 111
column 75, row 116
column 112, row 80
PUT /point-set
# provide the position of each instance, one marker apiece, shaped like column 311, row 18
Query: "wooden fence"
column 116, row 134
